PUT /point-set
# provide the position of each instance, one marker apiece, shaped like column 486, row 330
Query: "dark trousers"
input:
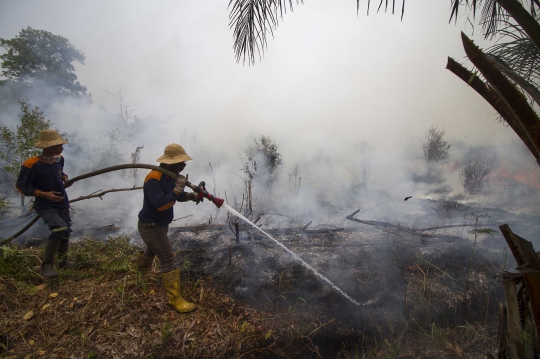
column 157, row 244
column 58, row 222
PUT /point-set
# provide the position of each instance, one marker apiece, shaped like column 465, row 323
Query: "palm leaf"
column 493, row 15
column 252, row 20
column 518, row 51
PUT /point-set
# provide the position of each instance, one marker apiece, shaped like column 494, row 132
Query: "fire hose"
column 199, row 189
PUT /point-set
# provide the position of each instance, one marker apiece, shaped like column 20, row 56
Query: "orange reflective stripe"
column 166, row 207
column 153, row 175
column 30, row 162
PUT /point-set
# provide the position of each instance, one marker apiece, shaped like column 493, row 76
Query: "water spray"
column 295, row 256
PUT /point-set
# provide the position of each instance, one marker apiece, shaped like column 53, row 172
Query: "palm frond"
column 252, row 20
column 493, row 15
column 517, row 50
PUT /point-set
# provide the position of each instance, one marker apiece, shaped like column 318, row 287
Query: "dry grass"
column 106, row 309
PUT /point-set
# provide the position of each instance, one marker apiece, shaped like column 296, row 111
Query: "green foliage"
column 483, row 231
column 17, row 146
column 435, row 148
column 266, row 151
column 15, row 264
column 37, row 56
column 3, row 201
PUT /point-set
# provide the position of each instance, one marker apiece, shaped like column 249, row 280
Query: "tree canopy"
column 38, row 56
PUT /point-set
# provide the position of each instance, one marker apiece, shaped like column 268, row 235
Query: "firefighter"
column 160, row 194
column 43, row 177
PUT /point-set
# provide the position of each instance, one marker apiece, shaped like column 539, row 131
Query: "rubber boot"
column 47, row 266
column 144, row 263
column 62, row 254
column 171, row 282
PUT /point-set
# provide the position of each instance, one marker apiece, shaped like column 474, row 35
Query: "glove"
column 180, row 184
column 195, row 197
column 201, row 189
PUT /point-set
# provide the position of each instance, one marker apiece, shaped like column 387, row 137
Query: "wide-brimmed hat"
column 49, row 138
column 174, row 153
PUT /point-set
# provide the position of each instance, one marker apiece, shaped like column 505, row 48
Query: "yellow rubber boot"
column 171, row 282
column 144, row 263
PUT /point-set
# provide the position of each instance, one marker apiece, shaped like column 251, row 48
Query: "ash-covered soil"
column 411, row 288
column 372, row 268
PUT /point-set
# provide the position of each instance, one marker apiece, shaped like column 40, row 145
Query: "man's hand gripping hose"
column 203, row 193
column 217, row 201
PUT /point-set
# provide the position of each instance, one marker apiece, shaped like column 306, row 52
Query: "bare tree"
column 360, row 169
column 266, row 151
column 126, row 110
column 135, row 159
column 435, row 148
column 476, row 169
column 472, row 174
column 296, row 182
column 249, row 168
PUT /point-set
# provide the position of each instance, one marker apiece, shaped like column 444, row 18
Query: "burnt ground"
column 433, row 296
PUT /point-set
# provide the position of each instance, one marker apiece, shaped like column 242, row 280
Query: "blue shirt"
column 39, row 176
column 159, row 199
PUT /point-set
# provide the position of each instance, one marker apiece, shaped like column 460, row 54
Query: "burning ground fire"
column 529, row 177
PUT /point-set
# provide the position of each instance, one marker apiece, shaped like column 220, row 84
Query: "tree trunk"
column 22, row 203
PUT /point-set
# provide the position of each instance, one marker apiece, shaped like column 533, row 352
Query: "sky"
column 327, row 73
column 327, row 79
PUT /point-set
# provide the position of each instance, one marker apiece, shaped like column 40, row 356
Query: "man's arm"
column 158, row 197
column 65, row 177
column 23, row 184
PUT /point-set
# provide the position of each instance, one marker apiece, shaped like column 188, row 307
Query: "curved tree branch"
column 97, row 173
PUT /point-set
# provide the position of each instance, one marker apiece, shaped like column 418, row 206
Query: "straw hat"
column 174, row 153
column 49, row 138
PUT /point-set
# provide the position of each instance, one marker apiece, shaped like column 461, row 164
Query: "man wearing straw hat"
column 43, row 176
column 160, row 194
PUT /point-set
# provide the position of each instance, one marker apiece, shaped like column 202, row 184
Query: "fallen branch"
column 176, row 219
column 418, row 231
column 201, row 227
column 386, row 224
column 294, row 230
column 495, row 224
column 100, row 194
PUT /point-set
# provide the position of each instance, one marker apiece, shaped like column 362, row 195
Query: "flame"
column 528, row 176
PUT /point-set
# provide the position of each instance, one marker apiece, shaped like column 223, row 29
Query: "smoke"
column 315, row 96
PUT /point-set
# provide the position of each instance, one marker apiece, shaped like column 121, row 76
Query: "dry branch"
column 383, row 225
column 418, row 231
column 293, row 230
column 100, row 194
column 176, row 219
column 96, row 173
column 31, row 223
